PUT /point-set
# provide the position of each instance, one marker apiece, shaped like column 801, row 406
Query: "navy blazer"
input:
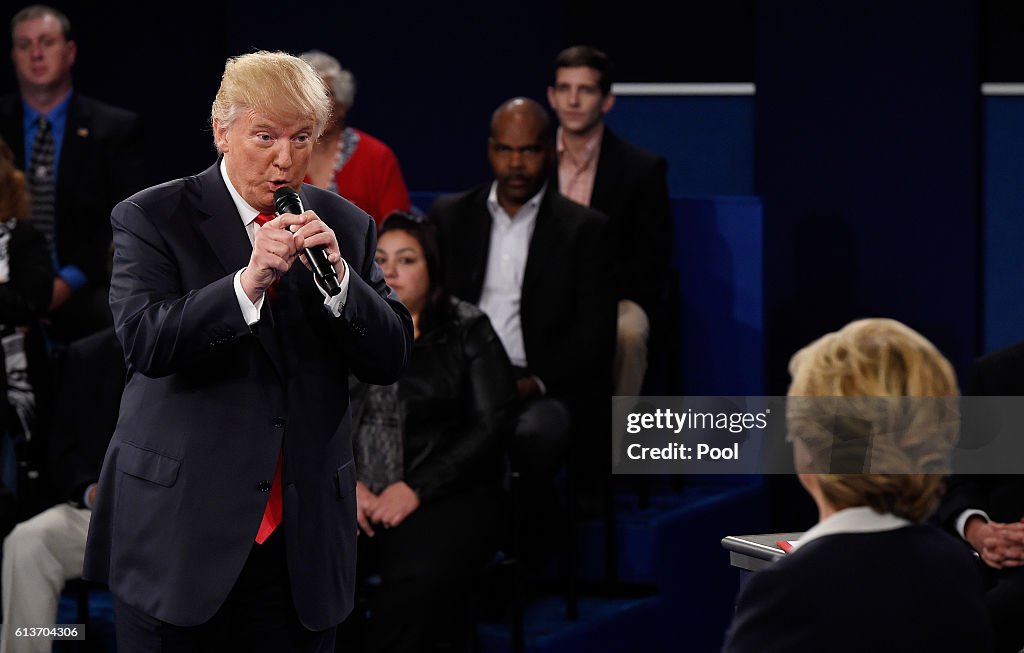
column 209, row 403
column 908, row 589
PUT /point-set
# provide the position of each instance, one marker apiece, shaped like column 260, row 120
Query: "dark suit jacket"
column 1001, row 496
column 567, row 307
column 1000, row 373
column 91, row 382
column 100, row 165
column 909, row 589
column 631, row 189
column 209, row 403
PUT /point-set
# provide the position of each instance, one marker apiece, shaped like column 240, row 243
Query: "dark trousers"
column 427, row 568
column 258, row 615
column 1005, row 598
column 540, row 447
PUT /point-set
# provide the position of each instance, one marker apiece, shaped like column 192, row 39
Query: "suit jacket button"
column 278, row 422
column 263, row 486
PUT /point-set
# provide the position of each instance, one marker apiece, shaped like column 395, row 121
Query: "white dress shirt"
column 250, row 310
column 501, row 297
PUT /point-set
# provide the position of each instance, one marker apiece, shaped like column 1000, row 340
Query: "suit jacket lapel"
column 544, row 244
column 220, row 224
column 223, row 230
column 607, row 170
column 476, row 246
column 73, row 147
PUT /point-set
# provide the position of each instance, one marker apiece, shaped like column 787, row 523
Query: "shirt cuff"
column 250, row 311
column 335, row 304
column 961, row 521
column 73, row 276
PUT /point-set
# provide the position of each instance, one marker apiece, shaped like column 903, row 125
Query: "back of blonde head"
column 884, row 369
column 273, row 83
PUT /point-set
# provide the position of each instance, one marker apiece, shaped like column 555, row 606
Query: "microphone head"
column 286, row 200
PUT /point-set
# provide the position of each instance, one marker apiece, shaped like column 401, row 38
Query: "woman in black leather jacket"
column 428, row 454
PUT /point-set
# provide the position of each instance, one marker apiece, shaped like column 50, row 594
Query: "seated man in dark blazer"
column 599, row 169
column 987, row 510
column 44, row 552
column 539, row 266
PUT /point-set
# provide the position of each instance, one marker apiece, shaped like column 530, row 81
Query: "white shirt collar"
column 531, row 205
column 245, row 212
column 860, row 519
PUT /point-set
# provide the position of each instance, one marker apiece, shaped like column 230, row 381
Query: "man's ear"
column 608, row 102
column 220, row 136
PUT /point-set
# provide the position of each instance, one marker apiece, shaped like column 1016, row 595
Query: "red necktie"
column 274, row 511
column 261, row 220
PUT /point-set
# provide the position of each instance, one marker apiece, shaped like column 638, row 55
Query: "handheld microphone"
column 286, row 200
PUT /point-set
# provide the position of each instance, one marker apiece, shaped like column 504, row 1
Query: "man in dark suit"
column 225, row 515
column 987, row 511
column 96, row 155
column 42, row 553
column 538, row 265
column 596, row 168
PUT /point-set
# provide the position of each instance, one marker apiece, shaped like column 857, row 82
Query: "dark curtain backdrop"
column 866, row 155
column 429, row 74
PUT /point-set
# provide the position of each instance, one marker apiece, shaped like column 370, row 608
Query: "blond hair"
column 886, row 426
column 274, row 83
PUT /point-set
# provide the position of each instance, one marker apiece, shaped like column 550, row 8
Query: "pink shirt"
column 576, row 169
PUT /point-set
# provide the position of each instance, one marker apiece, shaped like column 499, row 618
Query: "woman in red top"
column 350, row 162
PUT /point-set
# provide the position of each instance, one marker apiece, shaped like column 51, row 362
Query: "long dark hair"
column 435, row 312
column 14, row 197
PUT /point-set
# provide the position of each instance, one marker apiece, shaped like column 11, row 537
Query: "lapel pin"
column 83, row 132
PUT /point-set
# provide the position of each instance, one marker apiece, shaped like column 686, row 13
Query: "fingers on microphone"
column 287, row 222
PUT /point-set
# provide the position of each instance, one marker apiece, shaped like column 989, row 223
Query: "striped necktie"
column 41, row 181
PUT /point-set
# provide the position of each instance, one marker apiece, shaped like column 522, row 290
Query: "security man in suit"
column 81, row 157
